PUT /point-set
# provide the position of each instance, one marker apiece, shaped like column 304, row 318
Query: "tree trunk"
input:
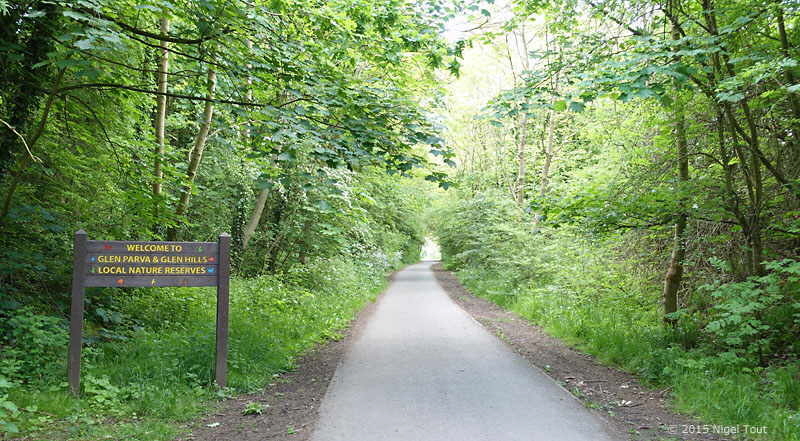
column 255, row 217
column 754, row 160
column 22, row 89
column 790, row 78
column 674, row 276
column 548, row 155
column 522, row 140
column 794, row 102
column 549, row 147
column 197, row 152
column 161, row 114
column 261, row 199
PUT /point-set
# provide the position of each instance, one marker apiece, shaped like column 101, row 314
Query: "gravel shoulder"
column 640, row 412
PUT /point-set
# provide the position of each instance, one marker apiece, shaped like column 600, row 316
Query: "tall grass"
column 137, row 388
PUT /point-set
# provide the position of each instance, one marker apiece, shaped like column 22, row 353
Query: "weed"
column 253, row 408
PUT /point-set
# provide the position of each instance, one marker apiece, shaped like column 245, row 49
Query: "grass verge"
column 142, row 383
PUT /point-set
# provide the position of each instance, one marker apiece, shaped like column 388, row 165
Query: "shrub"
column 759, row 316
column 33, row 345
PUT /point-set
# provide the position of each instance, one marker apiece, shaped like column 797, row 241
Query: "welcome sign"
column 130, row 264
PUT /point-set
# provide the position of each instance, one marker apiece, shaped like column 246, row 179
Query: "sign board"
column 153, row 264
column 125, row 264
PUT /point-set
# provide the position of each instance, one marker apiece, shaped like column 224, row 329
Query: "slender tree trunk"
column 161, row 115
column 751, row 164
column 523, row 142
column 261, row 198
column 732, row 200
column 756, row 244
column 794, row 101
column 23, row 89
column 521, row 147
column 549, row 148
column 255, row 218
column 674, row 276
column 196, row 153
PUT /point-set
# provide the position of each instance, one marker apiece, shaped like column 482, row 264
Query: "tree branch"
column 144, row 33
column 172, row 95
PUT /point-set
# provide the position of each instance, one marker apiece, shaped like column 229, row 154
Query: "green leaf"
column 285, row 156
column 731, row 97
column 577, row 106
column 324, row 205
column 84, row 44
column 76, row 15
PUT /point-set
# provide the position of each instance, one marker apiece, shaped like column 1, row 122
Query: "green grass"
column 580, row 309
column 140, row 388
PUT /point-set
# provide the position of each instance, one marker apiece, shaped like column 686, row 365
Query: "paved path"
column 424, row 370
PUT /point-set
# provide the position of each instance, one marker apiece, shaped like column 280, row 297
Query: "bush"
column 760, row 316
column 34, row 346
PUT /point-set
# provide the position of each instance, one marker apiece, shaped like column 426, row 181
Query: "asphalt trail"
column 424, row 370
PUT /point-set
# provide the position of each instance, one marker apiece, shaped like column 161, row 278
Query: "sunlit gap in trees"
column 430, row 250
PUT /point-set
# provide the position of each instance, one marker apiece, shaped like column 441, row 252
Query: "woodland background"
column 623, row 173
column 628, row 179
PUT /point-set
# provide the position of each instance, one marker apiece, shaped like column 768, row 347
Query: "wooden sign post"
column 149, row 264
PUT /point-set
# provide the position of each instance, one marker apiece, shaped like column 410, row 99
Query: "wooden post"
column 221, row 353
column 76, row 312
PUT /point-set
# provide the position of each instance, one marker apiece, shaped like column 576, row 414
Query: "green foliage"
column 323, row 107
column 101, row 394
column 253, row 408
column 751, row 318
column 627, row 155
column 9, row 412
column 489, row 231
column 33, row 345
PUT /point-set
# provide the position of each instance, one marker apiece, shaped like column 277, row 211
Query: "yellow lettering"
column 136, row 259
column 111, row 270
column 108, row 259
column 149, row 247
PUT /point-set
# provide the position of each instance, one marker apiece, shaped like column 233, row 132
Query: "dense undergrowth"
column 731, row 359
column 157, row 369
